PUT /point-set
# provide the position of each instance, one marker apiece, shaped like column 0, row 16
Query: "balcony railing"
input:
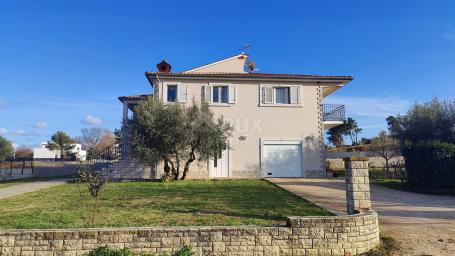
column 333, row 112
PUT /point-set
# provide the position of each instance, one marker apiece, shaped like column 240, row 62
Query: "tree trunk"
column 387, row 166
column 61, row 155
column 177, row 169
column 187, row 165
column 167, row 169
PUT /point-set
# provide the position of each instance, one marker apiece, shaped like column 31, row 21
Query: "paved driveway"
column 28, row 187
column 422, row 224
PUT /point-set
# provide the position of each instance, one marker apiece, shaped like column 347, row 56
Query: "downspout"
column 159, row 82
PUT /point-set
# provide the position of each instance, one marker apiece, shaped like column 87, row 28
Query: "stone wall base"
column 338, row 235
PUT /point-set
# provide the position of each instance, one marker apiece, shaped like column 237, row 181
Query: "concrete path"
column 28, row 187
column 422, row 224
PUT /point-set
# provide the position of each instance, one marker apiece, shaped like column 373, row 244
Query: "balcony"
column 333, row 115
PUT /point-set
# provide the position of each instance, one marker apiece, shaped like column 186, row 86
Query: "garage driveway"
column 422, row 224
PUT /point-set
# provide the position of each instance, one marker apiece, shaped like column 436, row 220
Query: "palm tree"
column 62, row 142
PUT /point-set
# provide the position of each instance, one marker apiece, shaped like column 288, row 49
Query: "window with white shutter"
column 219, row 93
column 280, row 95
column 182, row 93
column 267, row 94
column 232, row 95
column 294, row 95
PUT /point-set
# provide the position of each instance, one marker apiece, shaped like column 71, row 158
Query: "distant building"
column 43, row 153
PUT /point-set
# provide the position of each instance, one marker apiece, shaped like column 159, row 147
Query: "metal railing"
column 101, row 159
column 333, row 112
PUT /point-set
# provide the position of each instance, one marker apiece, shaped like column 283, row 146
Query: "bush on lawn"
column 430, row 165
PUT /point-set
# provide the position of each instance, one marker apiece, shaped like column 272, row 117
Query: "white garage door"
column 282, row 159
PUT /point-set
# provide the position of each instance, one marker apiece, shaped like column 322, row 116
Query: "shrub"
column 106, row 251
column 187, row 250
column 430, row 165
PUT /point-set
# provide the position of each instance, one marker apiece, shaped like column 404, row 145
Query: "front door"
column 219, row 166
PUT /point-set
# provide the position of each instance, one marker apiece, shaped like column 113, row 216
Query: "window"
column 171, row 93
column 220, row 94
column 282, row 95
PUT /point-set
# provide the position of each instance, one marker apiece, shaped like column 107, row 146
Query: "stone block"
column 219, row 246
column 6, row 241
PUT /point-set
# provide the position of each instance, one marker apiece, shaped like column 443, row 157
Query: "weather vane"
column 246, row 49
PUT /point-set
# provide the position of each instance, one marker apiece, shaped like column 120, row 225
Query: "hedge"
column 430, row 165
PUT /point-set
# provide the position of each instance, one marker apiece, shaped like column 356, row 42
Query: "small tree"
column 91, row 137
column 94, row 183
column 24, row 152
column 385, row 146
column 176, row 134
column 62, row 142
column 6, row 149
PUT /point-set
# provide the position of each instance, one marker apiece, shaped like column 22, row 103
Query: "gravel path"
column 422, row 224
column 28, row 187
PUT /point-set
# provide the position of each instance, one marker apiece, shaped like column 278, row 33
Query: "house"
column 43, row 153
column 279, row 119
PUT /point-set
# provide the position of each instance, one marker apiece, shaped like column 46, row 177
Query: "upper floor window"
column 175, row 92
column 280, row 95
column 171, row 93
column 219, row 93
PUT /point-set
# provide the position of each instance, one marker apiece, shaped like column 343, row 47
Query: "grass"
column 387, row 247
column 219, row 202
column 399, row 185
column 390, row 183
column 9, row 183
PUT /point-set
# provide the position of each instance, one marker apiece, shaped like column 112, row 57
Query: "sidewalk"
column 28, row 187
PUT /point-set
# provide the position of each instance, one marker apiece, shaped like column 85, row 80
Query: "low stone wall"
column 338, row 235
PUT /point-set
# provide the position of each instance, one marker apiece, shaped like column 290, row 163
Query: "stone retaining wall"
column 338, row 235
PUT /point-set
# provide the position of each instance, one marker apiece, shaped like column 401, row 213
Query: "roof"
column 251, row 75
column 134, row 97
column 237, row 56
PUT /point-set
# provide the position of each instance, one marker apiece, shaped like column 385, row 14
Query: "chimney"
column 164, row 67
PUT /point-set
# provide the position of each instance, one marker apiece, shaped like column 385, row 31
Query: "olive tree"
column 6, row 149
column 176, row 134
column 386, row 147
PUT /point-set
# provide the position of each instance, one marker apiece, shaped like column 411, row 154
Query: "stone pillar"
column 357, row 184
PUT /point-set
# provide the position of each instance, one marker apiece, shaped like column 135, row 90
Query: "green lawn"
column 220, row 202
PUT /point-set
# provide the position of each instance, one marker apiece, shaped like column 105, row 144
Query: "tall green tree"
column 430, row 121
column 177, row 135
column 62, row 142
column 6, row 149
column 426, row 134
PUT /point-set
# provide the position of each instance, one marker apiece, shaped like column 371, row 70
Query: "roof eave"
column 341, row 79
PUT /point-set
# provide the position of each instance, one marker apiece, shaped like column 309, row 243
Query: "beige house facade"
column 278, row 119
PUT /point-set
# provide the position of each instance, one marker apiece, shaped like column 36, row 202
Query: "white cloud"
column 91, row 120
column 3, row 131
column 24, row 133
column 371, row 106
column 371, row 112
column 40, row 125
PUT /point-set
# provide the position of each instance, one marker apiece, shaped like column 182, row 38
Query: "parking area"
column 422, row 224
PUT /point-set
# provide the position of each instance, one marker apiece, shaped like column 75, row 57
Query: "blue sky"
column 64, row 63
